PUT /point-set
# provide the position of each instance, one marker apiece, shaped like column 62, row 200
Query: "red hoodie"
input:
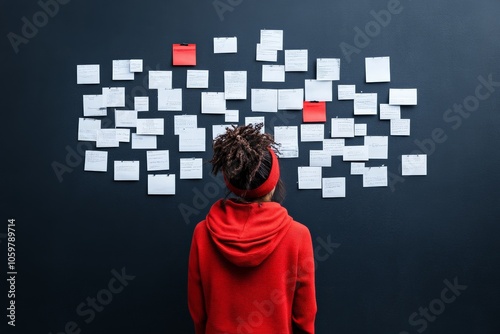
column 251, row 271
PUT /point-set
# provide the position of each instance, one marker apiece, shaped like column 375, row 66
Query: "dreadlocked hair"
column 242, row 155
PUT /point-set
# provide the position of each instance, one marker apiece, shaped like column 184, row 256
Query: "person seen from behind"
column 251, row 266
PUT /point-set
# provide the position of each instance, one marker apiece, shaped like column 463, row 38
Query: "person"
column 251, row 266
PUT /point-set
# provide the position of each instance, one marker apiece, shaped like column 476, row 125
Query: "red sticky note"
column 184, row 54
column 314, row 112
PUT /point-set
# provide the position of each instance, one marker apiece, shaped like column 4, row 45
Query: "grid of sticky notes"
column 337, row 118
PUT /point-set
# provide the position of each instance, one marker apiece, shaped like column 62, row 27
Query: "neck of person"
column 266, row 198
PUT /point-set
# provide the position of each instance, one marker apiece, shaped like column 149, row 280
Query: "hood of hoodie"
column 247, row 233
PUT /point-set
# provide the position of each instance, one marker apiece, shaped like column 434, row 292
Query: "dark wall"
column 386, row 257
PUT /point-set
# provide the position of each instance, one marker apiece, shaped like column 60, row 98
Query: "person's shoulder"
column 299, row 228
column 298, row 236
column 200, row 227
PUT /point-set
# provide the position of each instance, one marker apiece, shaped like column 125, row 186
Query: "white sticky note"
column 414, row 164
column 88, row 74
column 126, row 170
column 400, row 127
column 264, row 54
column 158, row 160
column 403, row 96
column 375, row 177
column 317, row 90
column 271, row 39
column 273, row 73
column 334, row 146
column 125, row 118
column 360, row 129
column 170, row 99
column 197, row 79
column 141, row 103
column 235, row 85
column 357, row 168
column 291, row 99
column 328, row 69
column 93, row 105
column 312, row 132
column 389, row 112
column 320, row 158
column 191, row 168
column 378, row 147
column 161, row 184
column 96, row 161
column 150, row 126
column 346, row 92
column 232, row 116
column 107, row 138
column 378, row 69
column 160, row 79
column 225, row 45
column 309, row 177
column 121, row 70
column 136, row 65
column 288, row 138
column 87, row 129
column 182, row 122
column 264, row 100
column 192, row 140
column 342, row 127
column 143, row 141
column 113, row 96
column 213, row 103
column 123, row 135
column 365, row 104
column 333, row 187
column 355, row 153
column 296, row 60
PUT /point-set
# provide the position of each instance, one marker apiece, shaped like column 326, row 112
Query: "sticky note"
column 184, row 54
column 314, row 112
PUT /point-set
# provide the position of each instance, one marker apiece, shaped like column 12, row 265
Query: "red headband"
column 266, row 187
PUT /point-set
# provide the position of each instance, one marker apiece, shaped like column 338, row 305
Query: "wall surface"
column 93, row 255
